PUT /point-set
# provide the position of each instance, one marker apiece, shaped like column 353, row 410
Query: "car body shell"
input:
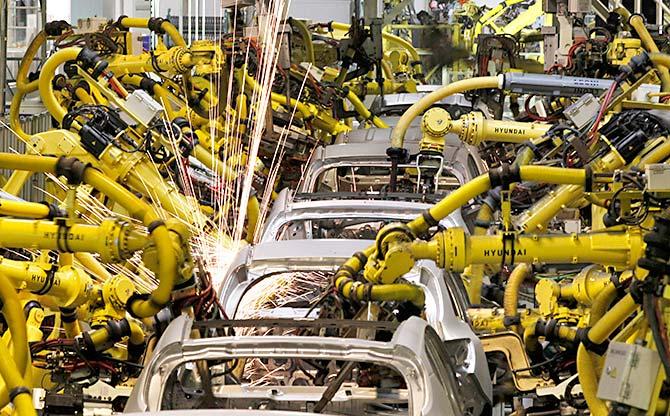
column 446, row 302
column 286, row 211
column 367, row 147
column 406, row 353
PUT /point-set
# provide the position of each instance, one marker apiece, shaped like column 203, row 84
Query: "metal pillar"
column 659, row 13
column 4, row 11
column 372, row 9
column 43, row 20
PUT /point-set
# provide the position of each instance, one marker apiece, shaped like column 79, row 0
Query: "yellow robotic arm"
column 398, row 133
column 167, row 256
column 473, row 128
column 394, row 42
column 344, row 278
column 70, row 287
column 15, row 368
column 453, row 250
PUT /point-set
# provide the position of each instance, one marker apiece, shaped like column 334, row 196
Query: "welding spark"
column 215, row 241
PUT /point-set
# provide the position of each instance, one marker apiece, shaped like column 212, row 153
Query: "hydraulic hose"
column 253, row 215
column 16, row 384
column 660, row 58
column 611, row 320
column 655, row 327
column 511, row 298
column 13, row 367
column 28, row 162
column 588, row 379
column 23, row 86
column 90, row 263
column 157, row 25
column 585, row 360
column 398, row 133
column 658, row 154
column 388, row 71
column 136, row 342
column 598, row 334
column 16, row 182
column 46, row 77
column 363, row 111
column 306, row 36
column 24, row 209
column 636, row 21
column 601, row 303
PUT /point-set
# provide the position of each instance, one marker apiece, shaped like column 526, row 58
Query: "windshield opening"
column 412, row 178
column 341, row 228
column 283, row 295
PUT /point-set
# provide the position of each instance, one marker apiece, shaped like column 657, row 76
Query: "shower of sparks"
column 261, row 300
column 279, row 290
column 215, row 241
column 269, row 19
column 216, row 246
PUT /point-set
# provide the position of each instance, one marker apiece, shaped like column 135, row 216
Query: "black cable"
column 563, row 127
column 654, row 325
column 228, row 370
column 542, row 364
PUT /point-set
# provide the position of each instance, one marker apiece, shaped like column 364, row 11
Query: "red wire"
column 601, row 113
column 572, row 50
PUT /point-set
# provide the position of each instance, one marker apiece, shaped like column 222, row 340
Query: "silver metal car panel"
column 366, row 149
column 406, row 353
column 442, row 310
column 407, row 99
column 285, row 212
column 328, row 251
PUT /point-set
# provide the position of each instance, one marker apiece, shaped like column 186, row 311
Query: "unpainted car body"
column 413, row 352
column 298, row 219
column 445, row 308
column 366, row 148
